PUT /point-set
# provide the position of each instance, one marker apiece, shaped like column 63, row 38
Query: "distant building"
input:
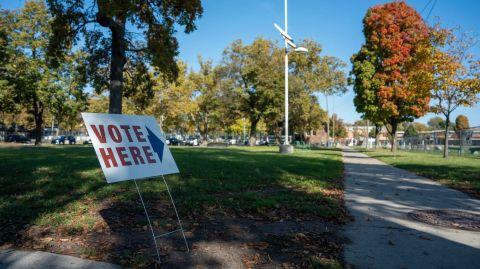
column 316, row 137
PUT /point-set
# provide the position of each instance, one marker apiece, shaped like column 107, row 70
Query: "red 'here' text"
column 123, row 155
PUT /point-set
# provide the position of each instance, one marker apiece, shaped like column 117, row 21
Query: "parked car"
column 62, row 139
column 88, row 141
column 271, row 140
column 262, row 142
column 17, row 139
column 173, row 141
column 191, row 141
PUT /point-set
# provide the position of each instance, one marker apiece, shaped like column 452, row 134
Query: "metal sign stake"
column 155, row 237
column 176, row 213
column 149, row 222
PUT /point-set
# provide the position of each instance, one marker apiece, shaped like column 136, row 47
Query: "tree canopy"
column 33, row 84
column 461, row 123
column 436, row 123
column 138, row 32
column 254, row 77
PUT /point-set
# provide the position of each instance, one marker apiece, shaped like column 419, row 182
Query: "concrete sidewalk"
column 20, row 259
column 379, row 197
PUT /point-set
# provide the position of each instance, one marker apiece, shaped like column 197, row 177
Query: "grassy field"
column 55, row 195
column 462, row 173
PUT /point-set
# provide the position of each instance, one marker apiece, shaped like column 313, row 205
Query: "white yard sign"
column 129, row 146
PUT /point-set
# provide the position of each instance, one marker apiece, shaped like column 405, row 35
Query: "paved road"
column 19, row 259
column 379, row 196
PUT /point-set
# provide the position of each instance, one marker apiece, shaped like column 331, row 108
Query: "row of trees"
column 244, row 88
column 406, row 69
column 435, row 123
column 49, row 56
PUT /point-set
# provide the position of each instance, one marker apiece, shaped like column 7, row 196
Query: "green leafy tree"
column 319, row 73
column 173, row 103
column 255, row 77
column 207, row 98
column 255, row 74
column 360, row 122
column 411, row 131
column 420, row 127
column 338, row 129
column 38, row 87
column 138, row 88
column 372, row 133
column 97, row 104
column 307, row 115
column 436, row 123
column 70, row 98
column 313, row 73
column 7, row 102
column 149, row 37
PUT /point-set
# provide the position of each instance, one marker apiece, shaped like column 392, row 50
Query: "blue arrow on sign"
column 156, row 143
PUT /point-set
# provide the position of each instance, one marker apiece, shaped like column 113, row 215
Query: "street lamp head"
column 301, row 49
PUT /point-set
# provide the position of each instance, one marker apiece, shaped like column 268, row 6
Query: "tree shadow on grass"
column 219, row 239
column 42, row 180
column 46, row 186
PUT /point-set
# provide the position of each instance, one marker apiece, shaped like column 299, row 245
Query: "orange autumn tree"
column 392, row 70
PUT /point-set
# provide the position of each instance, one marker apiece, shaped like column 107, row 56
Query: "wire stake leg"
column 176, row 212
column 148, row 218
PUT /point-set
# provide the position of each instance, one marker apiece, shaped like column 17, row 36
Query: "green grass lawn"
column 462, row 173
column 61, row 189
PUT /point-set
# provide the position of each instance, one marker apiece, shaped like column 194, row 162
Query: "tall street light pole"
column 286, row 147
column 286, row 142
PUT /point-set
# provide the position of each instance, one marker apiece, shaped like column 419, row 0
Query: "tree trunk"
column 378, row 129
column 278, row 135
column 393, row 135
column 38, row 117
column 445, row 145
column 253, row 132
column 117, row 65
column 205, row 132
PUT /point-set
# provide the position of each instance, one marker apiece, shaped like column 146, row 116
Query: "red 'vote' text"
column 123, row 155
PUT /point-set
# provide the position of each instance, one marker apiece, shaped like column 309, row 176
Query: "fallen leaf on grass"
column 260, row 245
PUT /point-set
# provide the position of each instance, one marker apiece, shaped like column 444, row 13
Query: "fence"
column 464, row 142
